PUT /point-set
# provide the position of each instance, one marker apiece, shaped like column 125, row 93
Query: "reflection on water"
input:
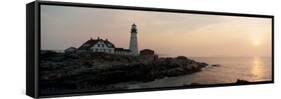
column 257, row 67
column 232, row 68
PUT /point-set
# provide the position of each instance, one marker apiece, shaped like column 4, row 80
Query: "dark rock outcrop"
column 89, row 70
column 216, row 65
column 239, row 81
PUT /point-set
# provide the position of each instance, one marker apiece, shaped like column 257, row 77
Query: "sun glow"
column 256, row 42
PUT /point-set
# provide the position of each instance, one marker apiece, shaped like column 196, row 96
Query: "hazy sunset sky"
column 169, row 34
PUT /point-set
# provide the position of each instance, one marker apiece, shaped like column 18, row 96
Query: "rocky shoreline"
column 98, row 71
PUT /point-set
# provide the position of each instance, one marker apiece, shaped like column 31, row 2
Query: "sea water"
column 230, row 69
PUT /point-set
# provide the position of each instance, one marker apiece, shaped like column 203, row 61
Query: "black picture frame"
column 33, row 45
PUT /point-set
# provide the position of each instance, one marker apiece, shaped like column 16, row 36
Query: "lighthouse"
column 134, row 40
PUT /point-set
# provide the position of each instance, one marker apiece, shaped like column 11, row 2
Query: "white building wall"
column 134, row 44
column 101, row 47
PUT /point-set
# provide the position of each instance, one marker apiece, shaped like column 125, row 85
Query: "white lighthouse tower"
column 134, row 40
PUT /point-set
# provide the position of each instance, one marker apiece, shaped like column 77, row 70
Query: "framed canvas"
column 85, row 49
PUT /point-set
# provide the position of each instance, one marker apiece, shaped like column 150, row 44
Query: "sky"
column 168, row 34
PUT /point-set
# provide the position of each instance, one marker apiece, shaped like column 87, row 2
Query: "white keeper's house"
column 104, row 45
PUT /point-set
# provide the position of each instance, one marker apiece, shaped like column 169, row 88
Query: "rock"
column 71, row 55
column 85, row 69
column 195, row 84
column 239, row 81
column 216, row 65
column 181, row 57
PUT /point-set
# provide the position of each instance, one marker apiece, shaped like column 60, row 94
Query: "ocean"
column 231, row 68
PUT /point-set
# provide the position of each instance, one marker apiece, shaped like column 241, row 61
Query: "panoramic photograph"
column 87, row 49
